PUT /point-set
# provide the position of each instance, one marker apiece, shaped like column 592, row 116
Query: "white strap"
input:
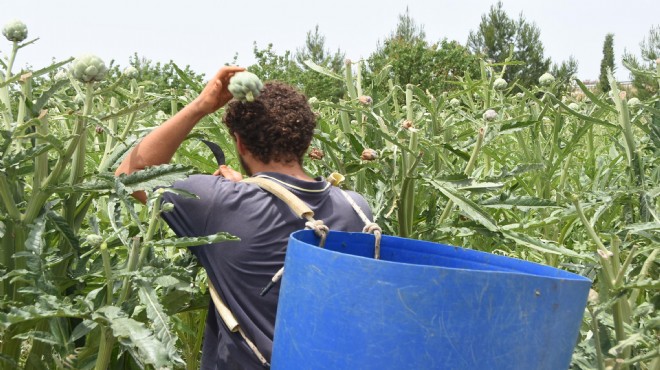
column 231, row 322
column 369, row 226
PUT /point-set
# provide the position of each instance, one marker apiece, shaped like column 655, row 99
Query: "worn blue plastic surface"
column 422, row 306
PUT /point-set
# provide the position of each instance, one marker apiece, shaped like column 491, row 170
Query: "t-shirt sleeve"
column 189, row 216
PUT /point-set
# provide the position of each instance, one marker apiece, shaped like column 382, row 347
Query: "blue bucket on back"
column 423, row 305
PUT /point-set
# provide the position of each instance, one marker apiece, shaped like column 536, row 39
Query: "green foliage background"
column 556, row 174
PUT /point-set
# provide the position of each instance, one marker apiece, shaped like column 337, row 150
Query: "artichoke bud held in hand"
column 245, row 86
column 88, row 68
column 15, row 31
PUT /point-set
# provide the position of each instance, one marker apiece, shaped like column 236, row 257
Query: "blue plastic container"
column 423, row 305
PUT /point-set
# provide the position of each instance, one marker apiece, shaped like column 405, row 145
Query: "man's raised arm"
column 159, row 145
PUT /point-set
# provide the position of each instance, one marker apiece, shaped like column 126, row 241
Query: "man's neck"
column 293, row 169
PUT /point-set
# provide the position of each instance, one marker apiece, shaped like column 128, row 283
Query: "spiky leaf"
column 192, row 241
column 153, row 177
column 135, row 336
column 160, row 321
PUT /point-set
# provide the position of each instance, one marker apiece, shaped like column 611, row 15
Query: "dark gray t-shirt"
column 240, row 270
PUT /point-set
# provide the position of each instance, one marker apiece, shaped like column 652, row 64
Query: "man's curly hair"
column 277, row 126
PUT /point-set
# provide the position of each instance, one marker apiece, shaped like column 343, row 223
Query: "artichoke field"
column 90, row 279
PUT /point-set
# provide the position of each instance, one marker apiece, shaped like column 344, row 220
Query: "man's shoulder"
column 206, row 182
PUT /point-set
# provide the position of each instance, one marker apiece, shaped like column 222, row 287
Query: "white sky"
column 205, row 34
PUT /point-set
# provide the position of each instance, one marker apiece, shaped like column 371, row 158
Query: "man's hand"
column 215, row 94
column 228, row 173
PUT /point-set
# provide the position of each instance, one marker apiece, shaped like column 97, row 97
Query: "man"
column 271, row 135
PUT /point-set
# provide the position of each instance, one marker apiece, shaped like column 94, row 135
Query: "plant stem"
column 642, row 274
column 39, row 197
column 395, row 101
column 10, row 347
column 107, row 268
column 348, row 75
column 41, row 161
column 622, row 271
column 475, row 151
column 131, row 117
column 358, row 79
column 600, row 360
column 468, row 169
column 605, row 262
column 106, row 346
column 78, row 164
column 110, row 137
column 4, row 91
column 406, row 209
column 7, row 198
column 153, row 226
column 130, row 267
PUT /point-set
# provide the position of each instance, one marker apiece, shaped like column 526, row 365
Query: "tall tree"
column 497, row 31
column 314, row 83
column 606, row 62
column 644, row 82
column 644, row 74
column 564, row 72
column 291, row 68
column 272, row 66
column 413, row 60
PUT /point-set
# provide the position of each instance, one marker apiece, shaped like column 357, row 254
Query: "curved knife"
column 217, row 152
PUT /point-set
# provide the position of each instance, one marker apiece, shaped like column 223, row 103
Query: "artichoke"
column 167, row 207
column 61, row 75
column 316, row 154
column 454, row 102
column 88, row 68
column 407, row 124
column 369, row 155
column 490, row 115
column 94, row 240
column 365, row 100
column 500, row 84
column 15, row 31
column 130, row 72
column 245, row 86
column 546, row 79
column 633, row 102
